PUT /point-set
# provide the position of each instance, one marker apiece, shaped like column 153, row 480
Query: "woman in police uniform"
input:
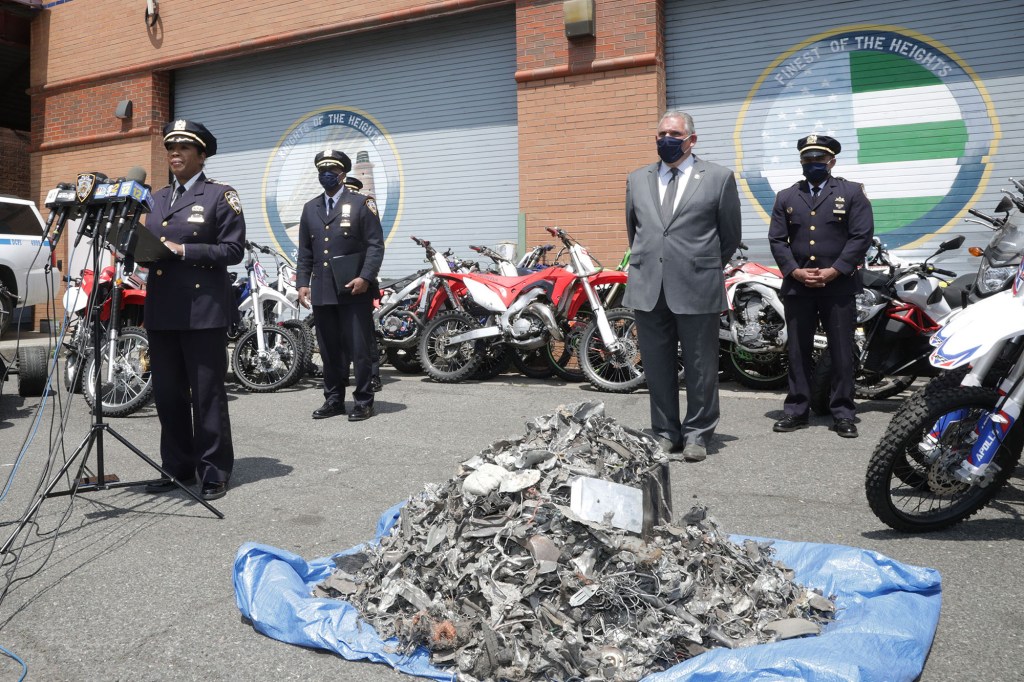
column 188, row 310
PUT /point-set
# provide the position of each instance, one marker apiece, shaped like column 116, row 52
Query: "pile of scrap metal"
column 497, row 575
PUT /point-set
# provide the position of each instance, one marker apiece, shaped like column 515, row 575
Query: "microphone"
column 136, row 174
column 60, row 200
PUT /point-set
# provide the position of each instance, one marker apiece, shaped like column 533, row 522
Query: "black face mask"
column 670, row 149
column 816, row 173
column 329, row 180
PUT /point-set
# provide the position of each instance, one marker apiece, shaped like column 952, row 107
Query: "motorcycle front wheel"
column 314, row 363
column 912, row 487
column 274, row 368
column 444, row 362
column 129, row 387
column 532, row 363
column 613, row 371
column 564, row 356
column 404, row 360
column 756, row 370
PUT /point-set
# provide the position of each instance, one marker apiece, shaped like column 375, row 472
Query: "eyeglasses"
column 815, row 158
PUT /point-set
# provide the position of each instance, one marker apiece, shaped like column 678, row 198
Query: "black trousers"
column 838, row 317
column 188, row 387
column 345, row 334
column 660, row 334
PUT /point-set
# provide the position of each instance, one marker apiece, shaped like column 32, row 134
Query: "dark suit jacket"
column 832, row 230
column 194, row 292
column 352, row 227
column 686, row 256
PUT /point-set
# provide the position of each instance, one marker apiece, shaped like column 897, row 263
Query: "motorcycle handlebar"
column 947, row 273
column 978, row 214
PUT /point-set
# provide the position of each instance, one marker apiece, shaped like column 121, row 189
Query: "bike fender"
column 972, row 332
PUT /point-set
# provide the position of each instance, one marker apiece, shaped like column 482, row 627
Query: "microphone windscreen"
column 137, row 173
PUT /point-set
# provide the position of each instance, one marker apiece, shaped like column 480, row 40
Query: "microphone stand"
column 99, row 427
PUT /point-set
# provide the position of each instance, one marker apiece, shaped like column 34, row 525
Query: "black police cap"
column 332, row 157
column 190, row 132
column 819, row 143
column 354, row 182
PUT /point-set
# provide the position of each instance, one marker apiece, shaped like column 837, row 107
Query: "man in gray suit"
column 683, row 223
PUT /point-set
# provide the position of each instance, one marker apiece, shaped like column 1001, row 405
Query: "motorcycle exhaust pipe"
column 548, row 317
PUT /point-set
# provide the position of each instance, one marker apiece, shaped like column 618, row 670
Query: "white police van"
column 23, row 257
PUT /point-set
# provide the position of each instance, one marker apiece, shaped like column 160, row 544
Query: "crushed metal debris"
column 499, row 579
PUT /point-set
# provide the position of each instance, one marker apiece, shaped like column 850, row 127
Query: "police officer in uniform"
column 188, row 309
column 820, row 232
column 336, row 223
column 356, row 185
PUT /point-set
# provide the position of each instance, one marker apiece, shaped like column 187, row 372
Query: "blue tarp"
column 887, row 615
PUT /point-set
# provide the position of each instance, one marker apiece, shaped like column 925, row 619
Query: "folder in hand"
column 345, row 269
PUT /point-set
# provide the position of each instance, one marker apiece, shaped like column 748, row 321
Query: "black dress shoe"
column 376, row 384
column 845, row 428
column 165, row 484
column 790, row 422
column 329, row 410
column 214, row 491
column 361, row 412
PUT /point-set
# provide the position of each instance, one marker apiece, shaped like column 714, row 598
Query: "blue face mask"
column 816, row 173
column 329, row 180
column 670, row 149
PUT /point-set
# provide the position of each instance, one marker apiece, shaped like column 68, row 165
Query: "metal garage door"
column 427, row 112
column 926, row 104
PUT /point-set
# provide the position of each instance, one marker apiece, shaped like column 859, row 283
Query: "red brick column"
column 588, row 109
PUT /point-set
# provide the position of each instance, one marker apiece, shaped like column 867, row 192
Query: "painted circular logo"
column 917, row 126
column 291, row 179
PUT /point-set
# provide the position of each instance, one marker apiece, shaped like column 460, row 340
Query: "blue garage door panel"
column 925, row 103
column 427, row 113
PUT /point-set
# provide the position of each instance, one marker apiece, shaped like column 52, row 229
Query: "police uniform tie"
column 178, row 191
column 669, row 202
column 330, row 205
column 815, row 191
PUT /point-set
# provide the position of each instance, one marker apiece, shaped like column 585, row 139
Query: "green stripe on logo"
column 912, row 142
column 893, row 213
column 871, row 71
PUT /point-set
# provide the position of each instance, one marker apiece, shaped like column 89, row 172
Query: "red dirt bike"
column 526, row 314
column 124, row 357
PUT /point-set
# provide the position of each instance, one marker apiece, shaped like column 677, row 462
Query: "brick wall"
column 191, row 31
column 587, row 116
column 14, row 171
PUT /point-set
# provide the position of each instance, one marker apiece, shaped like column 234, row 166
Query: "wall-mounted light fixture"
column 579, row 18
column 124, row 109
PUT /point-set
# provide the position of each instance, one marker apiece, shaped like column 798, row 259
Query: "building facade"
column 479, row 121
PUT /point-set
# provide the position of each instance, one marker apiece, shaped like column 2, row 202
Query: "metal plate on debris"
column 612, row 504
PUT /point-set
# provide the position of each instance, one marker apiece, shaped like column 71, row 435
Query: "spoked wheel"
column 912, row 482
column 880, row 387
column 532, row 363
column 273, row 367
column 445, row 362
column 757, row 370
column 563, row 356
column 495, row 359
column 304, row 337
column 129, row 387
column 616, row 370
column 404, row 360
column 314, row 363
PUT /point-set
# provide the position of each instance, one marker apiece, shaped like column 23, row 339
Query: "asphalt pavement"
column 139, row 587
